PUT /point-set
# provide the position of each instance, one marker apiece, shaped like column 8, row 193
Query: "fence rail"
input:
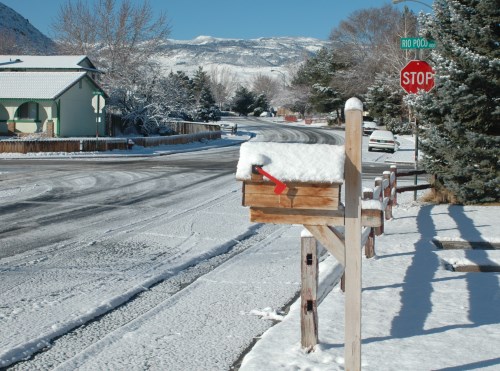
column 187, row 132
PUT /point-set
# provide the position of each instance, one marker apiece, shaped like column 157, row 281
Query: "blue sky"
column 245, row 19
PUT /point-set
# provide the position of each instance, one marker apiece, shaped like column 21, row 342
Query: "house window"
column 28, row 111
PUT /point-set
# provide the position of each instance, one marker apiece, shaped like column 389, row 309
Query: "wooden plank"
column 413, row 187
column 387, row 195
column 297, row 216
column 309, row 293
column 394, row 173
column 372, row 218
column 294, row 189
column 331, row 239
column 410, row 172
column 252, row 199
column 370, row 244
column 365, row 234
column 311, row 202
column 284, row 201
column 352, row 174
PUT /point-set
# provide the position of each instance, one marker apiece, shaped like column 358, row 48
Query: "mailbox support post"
column 352, row 175
column 308, row 293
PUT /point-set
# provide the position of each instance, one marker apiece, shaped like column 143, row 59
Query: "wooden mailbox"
column 312, row 193
column 300, row 203
column 294, row 183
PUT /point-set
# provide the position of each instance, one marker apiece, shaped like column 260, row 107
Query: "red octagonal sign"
column 417, row 75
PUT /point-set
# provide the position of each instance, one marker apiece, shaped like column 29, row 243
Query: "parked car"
column 382, row 139
column 369, row 127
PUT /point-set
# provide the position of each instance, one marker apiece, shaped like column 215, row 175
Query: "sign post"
column 98, row 95
column 415, row 76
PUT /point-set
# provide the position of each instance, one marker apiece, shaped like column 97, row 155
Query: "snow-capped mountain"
column 19, row 36
column 245, row 57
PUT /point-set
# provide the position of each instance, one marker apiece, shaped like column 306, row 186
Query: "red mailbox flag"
column 280, row 186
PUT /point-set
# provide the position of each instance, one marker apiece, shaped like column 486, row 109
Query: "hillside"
column 245, row 58
column 18, row 36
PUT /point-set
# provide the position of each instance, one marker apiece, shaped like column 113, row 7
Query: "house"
column 55, row 95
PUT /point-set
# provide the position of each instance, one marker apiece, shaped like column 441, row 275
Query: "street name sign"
column 417, row 43
column 417, row 75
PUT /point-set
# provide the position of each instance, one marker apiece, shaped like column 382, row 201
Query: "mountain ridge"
column 18, row 35
column 245, row 58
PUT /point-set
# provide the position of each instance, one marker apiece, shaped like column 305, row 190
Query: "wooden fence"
column 187, row 132
column 382, row 196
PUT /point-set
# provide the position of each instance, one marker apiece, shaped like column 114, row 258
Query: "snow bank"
column 317, row 163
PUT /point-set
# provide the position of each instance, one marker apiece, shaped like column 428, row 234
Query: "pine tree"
column 201, row 82
column 243, row 101
column 384, row 101
column 260, row 105
column 317, row 74
column 460, row 118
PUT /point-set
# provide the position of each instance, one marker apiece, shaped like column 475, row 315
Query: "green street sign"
column 417, row 43
column 97, row 92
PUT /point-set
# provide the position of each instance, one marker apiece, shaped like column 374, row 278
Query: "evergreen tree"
column 317, row 74
column 384, row 101
column 460, row 118
column 243, row 101
column 260, row 105
column 207, row 111
column 200, row 83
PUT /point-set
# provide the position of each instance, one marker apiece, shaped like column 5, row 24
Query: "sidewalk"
column 138, row 151
column 417, row 314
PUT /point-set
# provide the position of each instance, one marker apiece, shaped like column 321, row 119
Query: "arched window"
column 28, row 111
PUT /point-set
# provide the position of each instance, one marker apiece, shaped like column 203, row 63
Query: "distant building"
column 55, row 95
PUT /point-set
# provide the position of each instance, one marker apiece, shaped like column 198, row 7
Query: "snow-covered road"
column 81, row 238
column 100, row 254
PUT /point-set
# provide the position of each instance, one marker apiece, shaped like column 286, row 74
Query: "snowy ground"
column 417, row 315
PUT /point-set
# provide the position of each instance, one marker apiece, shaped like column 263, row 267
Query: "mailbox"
column 312, row 174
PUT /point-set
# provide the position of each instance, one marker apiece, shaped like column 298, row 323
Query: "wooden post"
column 308, row 293
column 11, row 127
column 387, row 194
column 370, row 243
column 394, row 174
column 378, row 184
column 50, row 128
column 352, row 175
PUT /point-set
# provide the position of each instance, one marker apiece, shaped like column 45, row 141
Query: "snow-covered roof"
column 293, row 162
column 45, row 62
column 36, row 85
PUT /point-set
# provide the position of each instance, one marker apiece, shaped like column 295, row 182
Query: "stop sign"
column 417, row 75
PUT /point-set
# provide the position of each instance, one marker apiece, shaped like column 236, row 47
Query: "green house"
column 51, row 95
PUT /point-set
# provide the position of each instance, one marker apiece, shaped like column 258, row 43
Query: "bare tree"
column 368, row 44
column 118, row 37
column 264, row 84
column 223, row 83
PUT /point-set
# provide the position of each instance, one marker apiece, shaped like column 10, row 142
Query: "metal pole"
column 416, row 158
column 97, row 124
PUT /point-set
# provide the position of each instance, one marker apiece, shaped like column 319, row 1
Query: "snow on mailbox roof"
column 37, row 85
column 293, row 162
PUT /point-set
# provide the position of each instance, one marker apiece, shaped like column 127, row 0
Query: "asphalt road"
column 57, row 214
column 68, row 192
